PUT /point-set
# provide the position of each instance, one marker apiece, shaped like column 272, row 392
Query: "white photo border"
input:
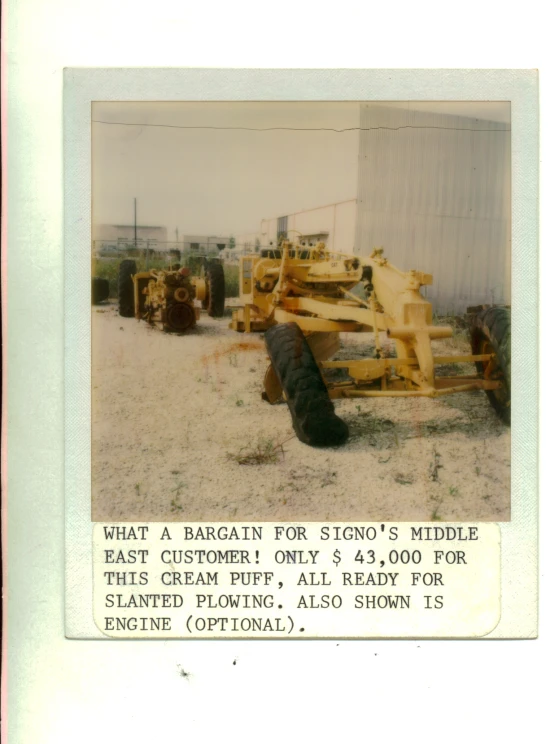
column 83, row 86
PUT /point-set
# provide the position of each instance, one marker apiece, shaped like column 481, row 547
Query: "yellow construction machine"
column 167, row 296
column 301, row 297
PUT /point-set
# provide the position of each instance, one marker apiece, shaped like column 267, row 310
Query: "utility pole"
column 135, row 236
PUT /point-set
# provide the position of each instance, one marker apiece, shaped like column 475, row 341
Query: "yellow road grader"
column 167, row 296
column 301, row 297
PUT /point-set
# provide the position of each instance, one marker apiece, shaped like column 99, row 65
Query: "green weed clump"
column 265, row 452
column 231, row 280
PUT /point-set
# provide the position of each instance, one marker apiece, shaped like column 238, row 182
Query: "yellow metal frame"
column 311, row 287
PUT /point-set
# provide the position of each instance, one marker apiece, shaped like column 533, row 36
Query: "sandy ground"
column 175, row 416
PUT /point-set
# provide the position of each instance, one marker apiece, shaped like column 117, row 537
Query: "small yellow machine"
column 167, row 297
column 301, row 297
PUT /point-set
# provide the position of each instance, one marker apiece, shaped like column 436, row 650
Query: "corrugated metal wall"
column 437, row 198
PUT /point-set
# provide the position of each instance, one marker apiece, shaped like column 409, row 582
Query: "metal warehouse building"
column 434, row 191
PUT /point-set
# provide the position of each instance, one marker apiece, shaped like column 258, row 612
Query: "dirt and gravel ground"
column 180, row 432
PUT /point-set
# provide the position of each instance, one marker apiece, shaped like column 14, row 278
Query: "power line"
column 295, row 129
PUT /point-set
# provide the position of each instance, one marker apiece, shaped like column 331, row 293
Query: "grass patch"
column 231, row 273
column 405, row 479
column 380, row 433
column 435, row 465
column 265, row 452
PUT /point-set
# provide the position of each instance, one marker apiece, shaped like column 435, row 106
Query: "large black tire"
column 216, row 290
column 312, row 411
column 490, row 333
column 126, row 288
column 100, row 290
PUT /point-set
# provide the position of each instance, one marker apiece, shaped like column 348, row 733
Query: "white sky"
column 207, row 181
column 212, row 181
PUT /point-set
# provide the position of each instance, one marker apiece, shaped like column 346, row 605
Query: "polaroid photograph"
column 347, row 263
column 294, row 406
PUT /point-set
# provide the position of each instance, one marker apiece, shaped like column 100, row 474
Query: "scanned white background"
column 61, row 691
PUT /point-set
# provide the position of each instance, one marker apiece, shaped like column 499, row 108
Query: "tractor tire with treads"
column 216, row 290
column 126, row 270
column 490, row 333
column 100, row 290
column 312, row 411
